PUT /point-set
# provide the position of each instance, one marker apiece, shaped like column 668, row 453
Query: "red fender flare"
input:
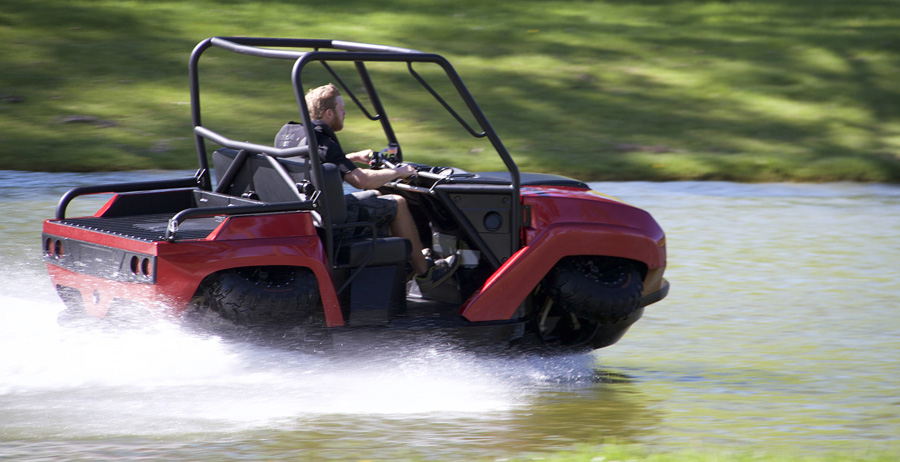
column 503, row 293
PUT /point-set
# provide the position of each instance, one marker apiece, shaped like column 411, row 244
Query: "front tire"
column 586, row 302
column 603, row 290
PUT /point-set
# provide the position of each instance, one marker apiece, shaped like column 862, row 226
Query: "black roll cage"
column 324, row 51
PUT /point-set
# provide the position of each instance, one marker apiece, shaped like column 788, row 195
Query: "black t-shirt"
column 330, row 149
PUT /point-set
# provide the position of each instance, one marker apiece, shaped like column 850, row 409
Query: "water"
column 780, row 334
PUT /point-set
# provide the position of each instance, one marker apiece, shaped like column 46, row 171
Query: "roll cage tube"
column 357, row 53
column 252, row 46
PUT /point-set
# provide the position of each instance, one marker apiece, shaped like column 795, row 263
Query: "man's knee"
column 400, row 200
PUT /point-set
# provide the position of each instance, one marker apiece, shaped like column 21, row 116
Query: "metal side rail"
column 201, row 212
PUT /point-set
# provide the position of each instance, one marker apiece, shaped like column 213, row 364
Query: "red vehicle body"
column 546, row 262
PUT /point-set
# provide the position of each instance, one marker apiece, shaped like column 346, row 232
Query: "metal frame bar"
column 341, row 51
column 121, row 188
column 232, row 210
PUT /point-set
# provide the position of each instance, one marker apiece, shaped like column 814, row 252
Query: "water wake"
column 159, row 378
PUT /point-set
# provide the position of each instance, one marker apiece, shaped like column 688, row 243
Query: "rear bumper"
column 97, row 295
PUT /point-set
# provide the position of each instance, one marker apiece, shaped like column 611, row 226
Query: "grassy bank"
column 632, row 453
column 753, row 90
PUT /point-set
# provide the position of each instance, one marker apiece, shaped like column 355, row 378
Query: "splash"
column 159, row 378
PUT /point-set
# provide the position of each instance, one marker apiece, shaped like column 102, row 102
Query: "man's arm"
column 373, row 179
column 360, row 157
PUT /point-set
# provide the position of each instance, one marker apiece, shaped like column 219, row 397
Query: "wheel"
column 561, row 329
column 585, row 303
column 603, row 290
column 263, row 296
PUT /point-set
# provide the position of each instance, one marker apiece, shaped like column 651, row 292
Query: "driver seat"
column 372, row 267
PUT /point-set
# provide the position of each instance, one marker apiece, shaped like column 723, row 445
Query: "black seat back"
column 271, row 185
column 241, row 183
column 262, row 179
column 333, row 189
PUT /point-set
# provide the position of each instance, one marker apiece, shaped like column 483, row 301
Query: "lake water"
column 781, row 334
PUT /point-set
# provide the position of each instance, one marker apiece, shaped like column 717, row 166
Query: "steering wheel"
column 387, row 157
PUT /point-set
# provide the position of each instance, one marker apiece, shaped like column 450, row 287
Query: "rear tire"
column 275, row 296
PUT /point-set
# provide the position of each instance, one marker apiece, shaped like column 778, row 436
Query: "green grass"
column 635, row 453
column 752, row 90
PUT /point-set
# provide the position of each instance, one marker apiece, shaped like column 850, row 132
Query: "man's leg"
column 404, row 226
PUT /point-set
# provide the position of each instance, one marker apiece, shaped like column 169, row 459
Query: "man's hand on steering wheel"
column 405, row 171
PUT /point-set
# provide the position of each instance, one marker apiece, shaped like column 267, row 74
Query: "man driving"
column 386, row 211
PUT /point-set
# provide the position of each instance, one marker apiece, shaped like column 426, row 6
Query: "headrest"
column 291, row 135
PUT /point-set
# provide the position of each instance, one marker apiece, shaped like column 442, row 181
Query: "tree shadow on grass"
column 569, row 86
column 814, row 91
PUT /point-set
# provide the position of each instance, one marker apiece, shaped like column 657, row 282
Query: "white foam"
column 160, row 378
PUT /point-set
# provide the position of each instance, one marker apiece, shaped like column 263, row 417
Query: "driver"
column 326, row 109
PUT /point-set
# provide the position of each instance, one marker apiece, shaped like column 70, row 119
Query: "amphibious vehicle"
column 541, row 261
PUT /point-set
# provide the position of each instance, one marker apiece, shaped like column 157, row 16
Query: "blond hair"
column 321, row 99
